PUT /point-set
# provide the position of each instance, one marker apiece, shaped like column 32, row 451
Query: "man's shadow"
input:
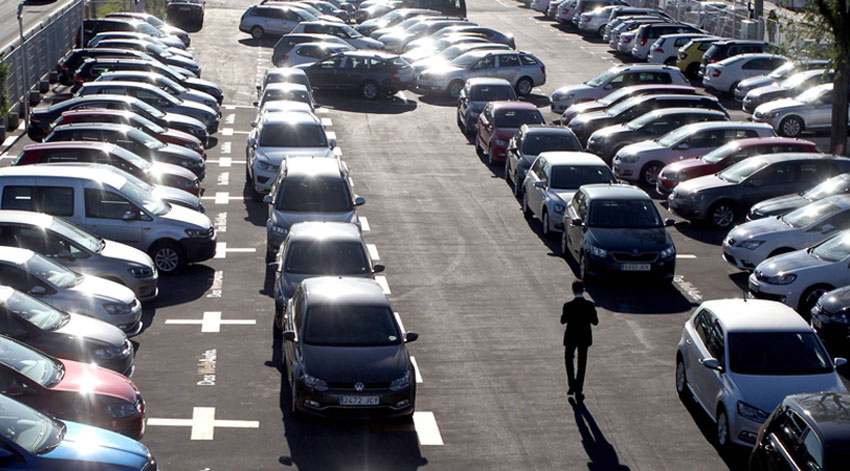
column 603, row 456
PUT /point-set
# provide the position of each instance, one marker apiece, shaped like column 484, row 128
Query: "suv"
column 308, row 189
column 186, row 12
column 476, row 93
column 528, row 142
column 92, row 68
column 723, row 49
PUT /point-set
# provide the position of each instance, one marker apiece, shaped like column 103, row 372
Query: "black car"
column 75, row 59
column 607, row 141
column 65, row 335
column 807, row 431
column 724, row 49
column 585, row 124
column 782, row 204
column 529, row 141
column 345, row 351
column 157, row 52
column 185, row 12
column 133, row 140
column 369, row 72
column 831, row 317
column 42, row 118
column 616, row 229
column 92, row 68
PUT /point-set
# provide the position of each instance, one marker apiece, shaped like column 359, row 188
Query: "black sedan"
column 345, row 351
column 616, row 229
column 830, row 317
column 369, row 72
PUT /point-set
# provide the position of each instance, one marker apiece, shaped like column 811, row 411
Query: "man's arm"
column 564, row 311
column 594, row 319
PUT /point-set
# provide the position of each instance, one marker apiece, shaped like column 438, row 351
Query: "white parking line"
column 364, row 224
column 222, row 197
column 230, row 119
column 233, row 107
column 337, row 152
column 322, row 110
column 225, row 147
column 225, row 162
column 427, row 429
column 416, row 369
column 373, row 251
column 382, row 280
column 685, row 255
column 224, row 178
column 326, row 122
column 221, row 250
column 398, row 320
column 211, row 322
column 203, row 423
column 227, row 131
column 330, row 134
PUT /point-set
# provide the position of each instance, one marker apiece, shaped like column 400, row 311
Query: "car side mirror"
column 267, row 199
column 669, row 222
column 252, row 143
column 540, row 184
column 410, row 337
column 575, row 222
column 289, row 335
column 839, row 362
column 256, row 104
column 332, row 143
column 130, row 215
column 683, row 146
column 38, row 290
column 378, row 268
column 712, row 364
column 359, row 201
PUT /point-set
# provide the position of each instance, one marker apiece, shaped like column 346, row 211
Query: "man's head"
column 578, row 287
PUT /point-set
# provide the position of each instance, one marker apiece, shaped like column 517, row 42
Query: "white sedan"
column 751, row 243
column 724, row 76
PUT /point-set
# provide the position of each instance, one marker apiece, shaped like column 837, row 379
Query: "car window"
column 484, row 63
column 717, row 342
column 57, row 201
column 508, row 60
column 777, row 174
column 537, row 167
column 298, row 308
column 811, row 453
column 314, row 195
column 710, row 138
column 813, row 172
column 681, row 42
column 326, row 258
column 527, row 60
column 16, row 278
column 332, row 63
column 106, row 205
column 702, row 324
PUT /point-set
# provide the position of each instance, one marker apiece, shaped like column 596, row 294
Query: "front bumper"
column 144, row 288
column 431, row 86
column 198, row 250
column 664, row 186
column 327, row 403
column 832, row 331
column 743, row 431
column 742, row 258
column 630, row 172
column 660, row 268
column 686, row 209
column 263, row 179
column 781, row 293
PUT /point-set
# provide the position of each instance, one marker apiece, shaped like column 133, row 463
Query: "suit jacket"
column 578, row 315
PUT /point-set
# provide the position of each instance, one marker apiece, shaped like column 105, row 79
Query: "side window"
column 702, row 324
column 537, row 168
column 56, row 201
column 112, row 91
column 331, row 63
column 19, row 197
column 484, row 63
column 704, row 139
column 106, row 205
column 813, row 172
column 508, row 60
column 839, row 222
column 681, row 42
column 811, row 453
column 311, row 29
column 662, row 126
column 717, row 343
column 65, row 156
column 582, row 206
column 621, row 80
column 14, row 277
column 754, row 64
column 778, row 174
column 527, row 60
column 298, row 307
column 28, row 238
column 547, row 170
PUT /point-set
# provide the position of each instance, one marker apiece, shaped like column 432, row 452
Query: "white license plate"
column 634, row 267
column 359, row 401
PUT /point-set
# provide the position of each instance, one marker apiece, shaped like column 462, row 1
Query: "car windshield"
column 465, row 60
column 154, row 21
column 448, row 52
column 492, row 93
column 742, row 170
column 36, row 312
column 149, row 109
column 55, row 274
column 159, row 50
column 150, row 30
column 675, row 136
column 293, row 135
column 351, row 326
column 834, row 249
column 292, row 94
column 326, row 258
column 314, row 195
column 30, row 363
column 614, row 97
column 148, row 141
column 79, row 236
column 602, row 78
column 795, row 80
column 809, row 214
column 783, row 71
column 349, row 31
column 516, row 118
column 777, row 354
column 622, row 106
column 835, row 185
column 143, row 198
column 141, row 121
column 571, row 177
column 624, row 214
column 535, row 143
column 642, row 120
column 720, row 153
column 31, row 430
column 130, row 157
column 812, row 95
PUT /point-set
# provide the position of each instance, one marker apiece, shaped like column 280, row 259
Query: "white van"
column 113, row 207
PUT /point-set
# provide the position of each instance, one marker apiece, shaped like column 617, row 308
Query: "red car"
column 71, row 390
column 169, row 136
column 498, row 123
column 724, row 156
column 156, row 173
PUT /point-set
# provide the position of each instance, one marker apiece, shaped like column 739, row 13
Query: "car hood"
column 442, row 69
column 288, row 218
column 183, row 137
column 613, row 131
column 565, row 195
column 765, row 90
column 186, row 104
column 368, row 43
column 187, row 217
column 393, row 37
column 179, row 118
column 182, row 61
column 119, row 251
column 105, row 290
column 276, row 155
column 592, row 117
column 93, row 329
column 626, row 240
column 779, row 105
column 353, row 364
column 85, row 378
column 419, row 54
column 575, row 89
column 162, row 168
column 177, row 196
column 767, row 391
column 179, row 151
column 757, row 81
column 780, row 204
column 585, row 107
column 93, row 445
column 764, row 227
column 796, row 261
column 198, row 95
column 688, row 166
column 707, row 182
column 428, row 62
column 641, row 147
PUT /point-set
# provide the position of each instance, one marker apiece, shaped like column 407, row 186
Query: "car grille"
column 350, row 385
column 626, row 257
column 768, row 296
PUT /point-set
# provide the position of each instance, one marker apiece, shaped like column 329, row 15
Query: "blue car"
column 33, row 441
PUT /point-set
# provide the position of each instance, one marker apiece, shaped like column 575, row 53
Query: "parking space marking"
column 322, row 110
column 225, row 147
column 327, row 122
column 416, row 369
column 364, row 224
column 227, row 132
column 330, row 134
column 203, row 423
column 230, row 119
column 224, row 178
column 233, row 107
column 373, row 251
column 225, row 162
column 426, row 428
column 222, row 197
column 221, row 250
column 685, row 255
column 211, row 322
column 337, row 151
column 398, row 320
column 688, row 288
column 382, row 280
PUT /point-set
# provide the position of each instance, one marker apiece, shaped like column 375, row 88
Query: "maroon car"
column 724, row 156
column 498, row 123
column 169, row 136
column 156, row 173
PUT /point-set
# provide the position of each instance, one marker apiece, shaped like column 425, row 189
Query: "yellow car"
column 690, row 55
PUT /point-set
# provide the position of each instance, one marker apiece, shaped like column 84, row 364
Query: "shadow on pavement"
column 737, row 457
column 347, row 102
column 603, row 456
column 701, row 233
column 251, row 42
column 438, row 99
column 257, row 211
column 183, row 287
column 540, row 101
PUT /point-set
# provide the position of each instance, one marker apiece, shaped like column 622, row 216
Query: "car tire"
column 293, row 393
column 671, row 61
column 257, row 32
column 276, row 330
column 601, row 31
column 721, row 429
column 168, row 256
column 547, row 231
column 369, row 90
column 731, row 91
column 461, row 125
column 649, row 173
column 810, row 298
column 722, row 214
column 454, row 88
column 791, row 126
column 524, row 86
column 681, row 378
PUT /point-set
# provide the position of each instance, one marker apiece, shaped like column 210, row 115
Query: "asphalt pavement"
column 465, row 269
column 34, row 11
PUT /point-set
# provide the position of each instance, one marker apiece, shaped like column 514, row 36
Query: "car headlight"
column 562, row 96
column 752, row 412
column 751, row 244
column 141, row 272
column 771, row 115
column 109, row 353
column 184, row 183
column 559, row 208
column 598, row 252
column 501, row 143
column 265, row 166
column 401, row 383
column 195, row 146
column 118, row 308
column 674, row 176
column 315, row 383
column 198, row 233
column 121, row 410
column 780, row 279
column 628, row 158
column 668, row 252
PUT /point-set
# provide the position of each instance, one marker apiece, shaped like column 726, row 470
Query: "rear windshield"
column 326, row 258
column 516, row 118
column 536, row 143
column 571, row 177
column 777, row 353
column 286, row 135
column 492, row 93
column 314, row 195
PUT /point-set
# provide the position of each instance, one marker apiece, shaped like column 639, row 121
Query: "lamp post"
column 26, row 69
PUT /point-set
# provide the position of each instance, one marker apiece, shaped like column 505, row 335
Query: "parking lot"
column 465, row 269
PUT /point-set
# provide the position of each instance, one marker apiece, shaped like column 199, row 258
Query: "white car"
column 665, row 50
column 800, row 278
column 777, row 75
column 286, row 91
column 642, row 161
column 723, row 76
column 553, row 179
column 595, row 21
column 540, row 5
column 565, row 11
column 739, row 359
column 308, row 53
column 38, row 276
column 618, row 76
column 749, row 244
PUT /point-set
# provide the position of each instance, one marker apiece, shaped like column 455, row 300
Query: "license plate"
column 634, row 267
column 358, row 401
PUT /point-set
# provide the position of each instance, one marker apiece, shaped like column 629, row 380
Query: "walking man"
column 578, row 315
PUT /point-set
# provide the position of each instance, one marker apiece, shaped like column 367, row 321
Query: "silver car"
column 30, row 273
column 474, row 97
column 163, row 83
column 286, row 91
column 260, row 20
column 809, row 111
column 80, row 250
column 523, row 70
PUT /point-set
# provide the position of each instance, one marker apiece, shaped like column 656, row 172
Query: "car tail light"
column 79, row 78
column 683, row 55
column 394, row 75
column 643, row 42
column 627, row 39
column 543, row 69
column 659, row 50
column 716, row 73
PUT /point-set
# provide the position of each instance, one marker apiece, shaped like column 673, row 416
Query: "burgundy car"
column 170, row 136
column 155, row 173
column 724, row 156
column 498, row 123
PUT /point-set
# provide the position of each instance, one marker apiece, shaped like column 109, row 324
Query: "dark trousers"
column 575, row 373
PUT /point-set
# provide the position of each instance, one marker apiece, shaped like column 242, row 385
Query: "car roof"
column 118, row 127
column 725, row 42
column 279, row 106
column 486, row 81
column 121, row 83
column 662, row 112
column 841, row 200
column 753, row 55
column 285, row 71
column 644, row 67
column 25, row 217
column 572, row 158
column 826, row 412
column 104, row 146
column 324, row 44
column 322, row 23
column 122, row 40
column 294, row 118
column 370, row 53
column 330, row 290
column 512, row 105
column 545, row 128
column 313, row 167
column 614, row 191
column 706, row 125
column 99, row 111
column 773, row 140
column 94, row 172
column 672, row 96
column 319, row 231
column 755, row 315
column 788, row 156
column 14, row 255
column 131, row 73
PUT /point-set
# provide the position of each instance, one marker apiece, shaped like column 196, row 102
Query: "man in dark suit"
column 578, row 315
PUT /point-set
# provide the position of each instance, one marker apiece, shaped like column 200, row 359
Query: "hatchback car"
column 690, row 55
column 522, row 69
column 183, row 12
column 498, row 123
column 308, row 53
column 475, row 95
column 71, row 390
column 444, row 57
column 163, row 83
column 790, row 87
column 665, row 49
column 273, row 20
column 837, row 185
column 288, row 41
column 808, row 111
column 351, row 321
column 778, row 75
column 616, row 229
column 157, row 52
column 371, row 73
column 107, row 35
column 489, row 34
column 723, row 77
column 396, row 42
column 284, row 75
column 553, row 180
column 285, row 92
column 528, row 142
column 739, row 359
column 723, row 49
column 646, row 36
column 342, row 31
column 831, row 317
column 621, row 95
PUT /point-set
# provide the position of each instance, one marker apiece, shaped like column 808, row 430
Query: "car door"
column 819, row 113
column 111, row 216
column 536, row 194
column 352, row 72
column 773, row 180
column 484, row 67
column 508, row 67
column 574, row 233
column 712, row 381
column 697, row 352
column 323, row 74
column 292, row 321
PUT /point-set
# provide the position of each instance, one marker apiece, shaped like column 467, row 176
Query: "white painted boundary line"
column 364, row 224
column 373, row 251
column 416, row 369
column 427, row 429
column 685, row 255
column 203, row 423
column 382, row 280
column 211, row 322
